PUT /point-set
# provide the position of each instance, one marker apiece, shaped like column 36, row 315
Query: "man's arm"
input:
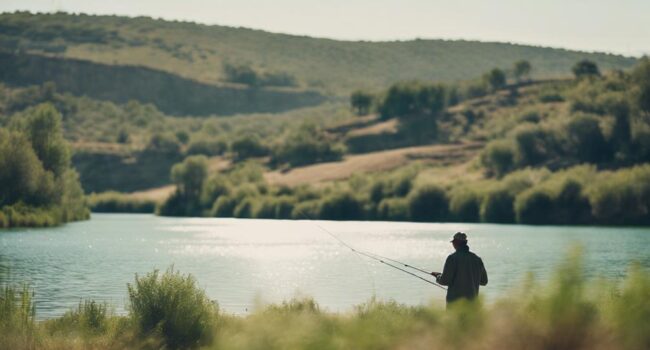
column 484, row 278
column 447, row 273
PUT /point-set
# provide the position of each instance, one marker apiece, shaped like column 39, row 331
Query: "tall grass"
column 168, row 310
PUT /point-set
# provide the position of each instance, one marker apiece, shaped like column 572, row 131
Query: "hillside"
column 200, row 52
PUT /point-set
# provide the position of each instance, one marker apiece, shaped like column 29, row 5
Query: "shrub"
column 248, row 147
column 497, row 207
column 340, row 206
column 115, row 202
column 465, row 205
column 172, row 305
column 224, row 207
column 534, row 145
column 586, row 139
column 207, row 147
column 244, row 208
column 393, row 209
column 498, row 157
column 428, row 203
column 534, row 206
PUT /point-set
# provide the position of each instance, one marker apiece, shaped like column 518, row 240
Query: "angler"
column 463, row 272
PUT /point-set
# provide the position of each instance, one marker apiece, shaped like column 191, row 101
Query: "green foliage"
column 248, row 147
column 428, row 203
column 585, row 69
column 207, row 147
column 521, row 70
column 37, row 185
column 164, row 143
column 641, row 76
column 586, row 140
column 497, row 207
column 43, row 127
column 341, row 206
column 496, row 78
column 498, row 157
column 361, row 102
column 115, row 202
column 465, row 205
column 169, row 311
column 412, row 99
column 306, row 145
column 245, row 74
column 173, row 306
column 393, row 209
column 190, row 175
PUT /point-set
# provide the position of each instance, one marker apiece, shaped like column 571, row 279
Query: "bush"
column 428, row 203
column 393, row 209
column 115, row 202
column 340, row 206
column 498, row 157
column 586, row 140
column 534, row 207
column 497, row 207
column 248, row 147
column 172, row 305
column 207, row 147
column 465, row 205
column 224, row 207
column 307, row 145
column 534, row 145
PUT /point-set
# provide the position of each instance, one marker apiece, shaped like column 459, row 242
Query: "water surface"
column 242, row 262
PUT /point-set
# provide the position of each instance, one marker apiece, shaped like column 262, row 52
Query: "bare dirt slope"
column 376, row 161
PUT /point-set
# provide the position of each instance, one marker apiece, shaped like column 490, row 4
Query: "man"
column 463, row 272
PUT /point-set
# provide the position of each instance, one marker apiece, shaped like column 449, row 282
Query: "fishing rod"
column 401, row 263
column 380, row 258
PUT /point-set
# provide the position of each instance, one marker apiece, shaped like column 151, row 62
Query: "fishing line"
column 376, row 257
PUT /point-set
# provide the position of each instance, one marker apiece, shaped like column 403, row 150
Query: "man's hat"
column 459, row 237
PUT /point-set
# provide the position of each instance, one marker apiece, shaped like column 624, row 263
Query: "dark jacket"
column 463, row 273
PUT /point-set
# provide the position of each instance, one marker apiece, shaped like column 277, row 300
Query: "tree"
column 428, row 203
column 641, row 75
column 46, row 136
column 361, row 102
column 585, row 69
column 189, row 176
column 522, row 70
column 413, row 99
column 248, row 147
column 586, row 139
column 496, row 78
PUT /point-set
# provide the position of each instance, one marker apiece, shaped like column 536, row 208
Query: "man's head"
column 459, row 240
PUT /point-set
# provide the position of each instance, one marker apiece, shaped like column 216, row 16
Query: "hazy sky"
column 620, row 26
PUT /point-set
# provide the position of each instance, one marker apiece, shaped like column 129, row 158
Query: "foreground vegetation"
column 37, row 185
column 169, row 310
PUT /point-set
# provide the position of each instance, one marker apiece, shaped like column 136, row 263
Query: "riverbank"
column 169, row 310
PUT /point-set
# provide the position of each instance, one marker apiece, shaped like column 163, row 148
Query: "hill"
column 203, row 53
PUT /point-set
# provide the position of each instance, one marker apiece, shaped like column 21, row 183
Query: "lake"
column 242, row 263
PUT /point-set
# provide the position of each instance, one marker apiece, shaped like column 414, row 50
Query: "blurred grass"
column 568, row 312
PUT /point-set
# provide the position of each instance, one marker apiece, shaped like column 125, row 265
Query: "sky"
column 616, row 26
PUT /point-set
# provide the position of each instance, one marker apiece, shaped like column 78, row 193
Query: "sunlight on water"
column 241, row 261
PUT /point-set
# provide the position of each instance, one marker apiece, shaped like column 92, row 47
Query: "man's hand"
column 436, row 274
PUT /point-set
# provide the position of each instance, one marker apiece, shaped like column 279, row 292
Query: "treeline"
column 169, row 310
column 247, row 75
column 409, row 99
column 607, row 124
column 37, row 185
column 576, row 196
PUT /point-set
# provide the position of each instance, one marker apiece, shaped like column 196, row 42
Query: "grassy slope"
column 198, row 51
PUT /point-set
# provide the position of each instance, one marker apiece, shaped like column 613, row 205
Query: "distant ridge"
column 170, row 93
column 199, row 52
